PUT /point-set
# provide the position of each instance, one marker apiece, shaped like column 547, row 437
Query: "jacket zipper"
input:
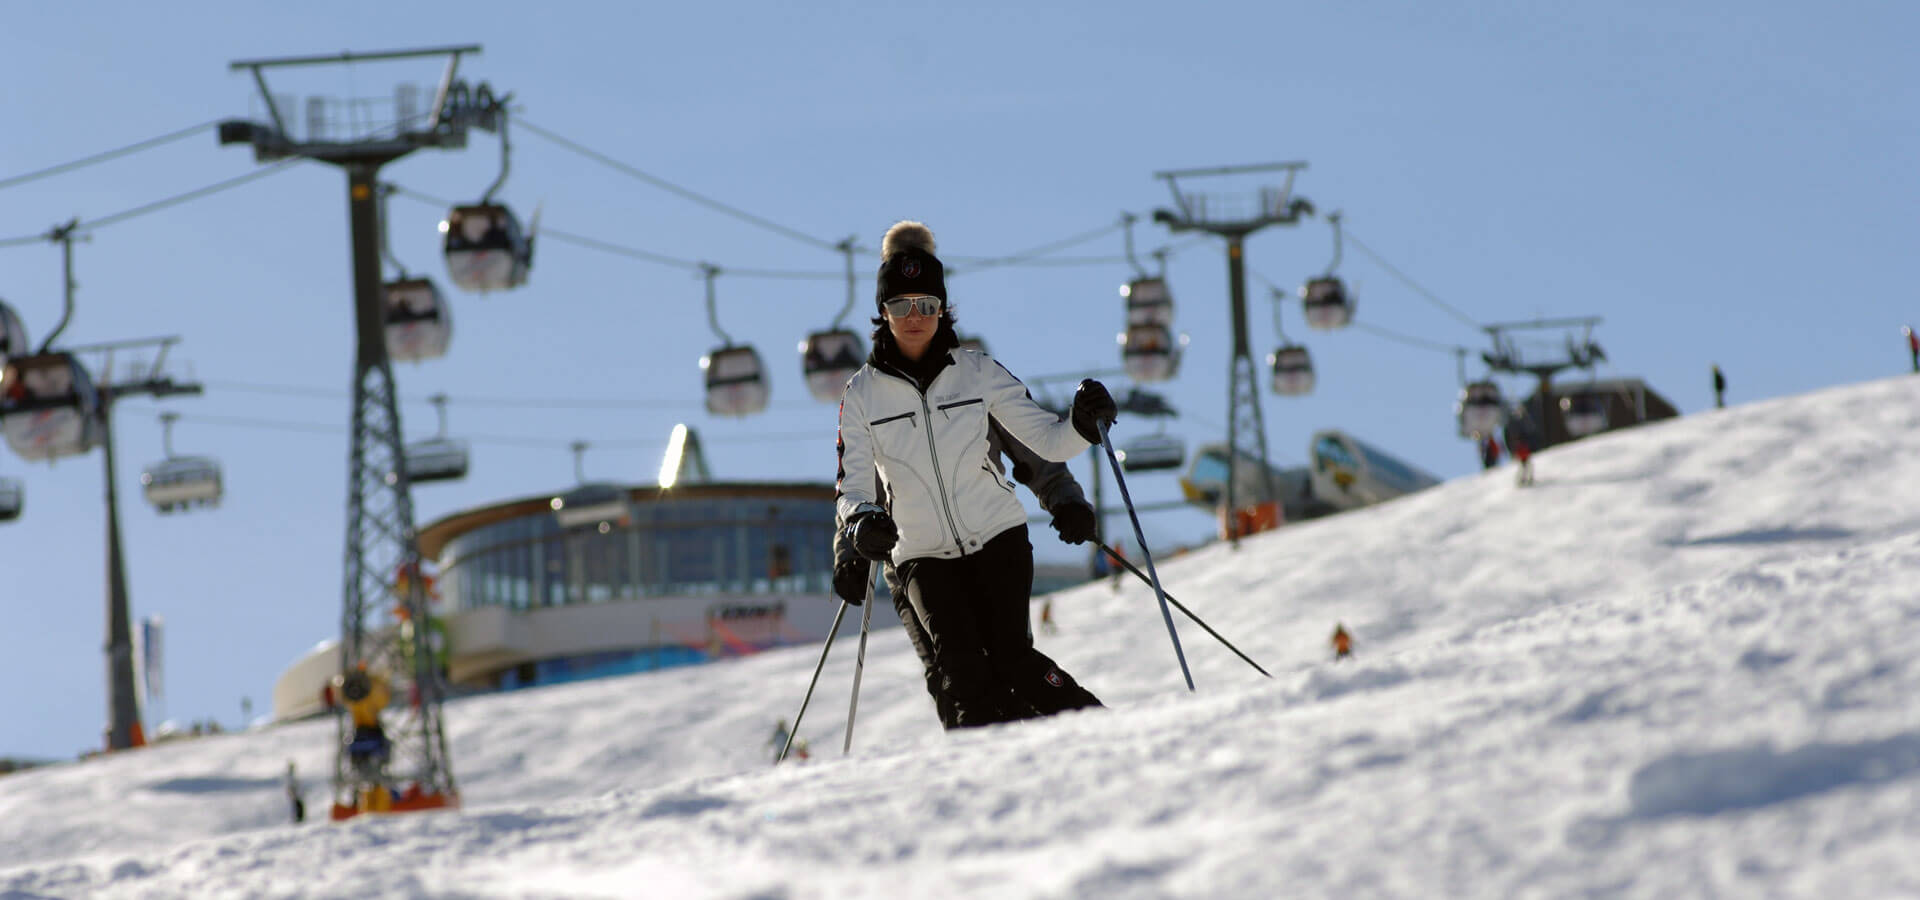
column 945, row 507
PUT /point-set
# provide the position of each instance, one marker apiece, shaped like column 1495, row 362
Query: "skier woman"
column 916, row 488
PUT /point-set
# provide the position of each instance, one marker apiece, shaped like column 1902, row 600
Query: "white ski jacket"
column 930, row 453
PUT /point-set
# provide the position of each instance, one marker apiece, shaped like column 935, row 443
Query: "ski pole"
column 831, row 631
column 1116, row 557
column 859, row 663
column 1139, row 535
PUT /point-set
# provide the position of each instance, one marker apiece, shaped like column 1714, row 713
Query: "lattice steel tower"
column 1246, row 429
column 381, row 543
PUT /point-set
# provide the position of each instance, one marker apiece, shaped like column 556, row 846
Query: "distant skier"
column 1522, row 454
column 1719, row 388
column 1913, row 346
column 1489, row 452
column 954, row 536
column 1342, row 642
column 1046, row 617
column 293, row 795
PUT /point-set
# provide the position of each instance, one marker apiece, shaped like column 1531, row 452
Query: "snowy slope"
column 1680, row 665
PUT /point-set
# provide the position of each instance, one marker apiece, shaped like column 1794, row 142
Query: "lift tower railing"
column 1246, row 429
column 381, row 543
column 1548, row 423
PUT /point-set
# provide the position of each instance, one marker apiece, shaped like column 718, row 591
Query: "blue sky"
column 1723, row 183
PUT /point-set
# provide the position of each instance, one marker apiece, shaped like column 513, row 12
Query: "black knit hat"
column 908, row 265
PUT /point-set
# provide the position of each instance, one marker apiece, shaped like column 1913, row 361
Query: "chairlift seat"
column 1480, row 409
column 48, row 406
column 1147, row 352
column 829, row 358
column 591, row 504
column 1153, row 452
column 1292, row 368
column 182, row 480
column 1585, row 414
column 436, row 459
column 419, row 321
column 736, row 381
column 1148, row 302
column 485, row 248
column 1326, row 303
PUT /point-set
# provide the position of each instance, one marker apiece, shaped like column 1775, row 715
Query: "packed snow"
column 1681, row 664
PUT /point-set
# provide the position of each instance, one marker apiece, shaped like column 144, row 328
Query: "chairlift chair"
column 13, row 335
column 829, row 358
column 419, row 321
column 1326, row 303
column 600, row 503
column 49, row 406
column 1152, row 453
column 1585, row 413
column 1147, row 352
column 1148, row 302
column 736, row 381
column 180, row 481
column 438, row 458
column 485, row 247
column 1481, row 410
column 177, row 482
column 1292, row 369
column 13, row 498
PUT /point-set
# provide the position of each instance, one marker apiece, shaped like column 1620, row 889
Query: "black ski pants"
column 967, row 620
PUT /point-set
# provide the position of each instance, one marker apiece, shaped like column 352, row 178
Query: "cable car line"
column 107, row 155
column 464, row 400
column 670, row 187
column 974, row 263
column 1421, row 343
column 495, row 439
column 92, row 225
column 1409, row 282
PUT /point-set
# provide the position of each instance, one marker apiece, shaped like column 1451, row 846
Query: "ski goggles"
column 901, row 307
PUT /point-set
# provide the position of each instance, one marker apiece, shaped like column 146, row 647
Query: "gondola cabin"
column 592, row 504
column 828, row 359
column 1147, row 352
column 1148, row 302
column 736, row 381
column 485, row 248
column 13, row 498
column 1326, row 303
column 13, row 335
column 48, row 406
column 419, row 322
column 436, row 459
column 1152, row 453
column 1292, row 369
column 182, row 481
column 1585, row 413
column 1481, row 410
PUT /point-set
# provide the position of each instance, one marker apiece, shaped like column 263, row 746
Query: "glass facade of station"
column 683, row 546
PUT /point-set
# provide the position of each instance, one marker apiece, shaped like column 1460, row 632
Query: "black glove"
column 1074, row 521
column 850, row 580
column 873, row 534
column 1092, row 405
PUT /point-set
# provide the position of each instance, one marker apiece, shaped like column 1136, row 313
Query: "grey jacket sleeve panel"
column 1051, row 482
